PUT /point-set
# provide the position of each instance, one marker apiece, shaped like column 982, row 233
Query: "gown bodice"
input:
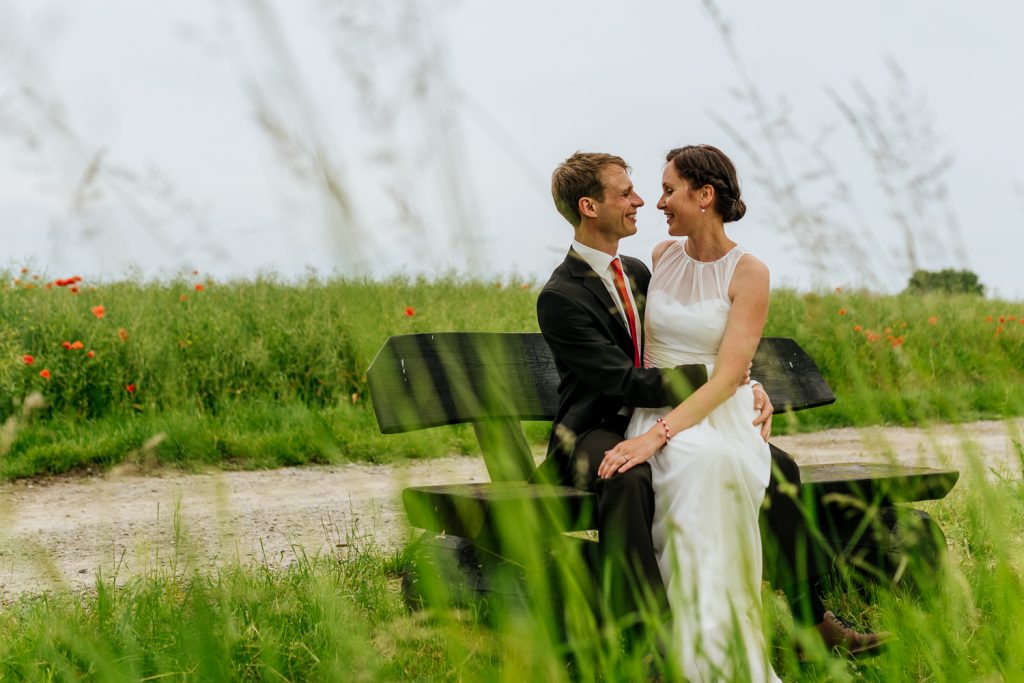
column 687, row 307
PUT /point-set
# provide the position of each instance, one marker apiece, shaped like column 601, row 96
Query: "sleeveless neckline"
column 682, row 246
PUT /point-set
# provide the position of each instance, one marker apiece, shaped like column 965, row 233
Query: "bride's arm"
column 743, row 329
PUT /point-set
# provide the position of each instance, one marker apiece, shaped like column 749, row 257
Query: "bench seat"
column 473, row 510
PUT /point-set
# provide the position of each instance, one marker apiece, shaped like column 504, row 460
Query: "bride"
column 707, row 303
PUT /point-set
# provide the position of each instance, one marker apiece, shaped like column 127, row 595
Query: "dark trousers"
column 795, row 561
column 625, row 513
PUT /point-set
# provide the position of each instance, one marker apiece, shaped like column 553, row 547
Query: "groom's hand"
column 764, row 408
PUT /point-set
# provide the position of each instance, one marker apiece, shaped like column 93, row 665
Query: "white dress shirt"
column 601, row 263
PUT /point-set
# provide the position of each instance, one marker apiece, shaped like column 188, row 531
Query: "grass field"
column 266, row 373
column 341, row 618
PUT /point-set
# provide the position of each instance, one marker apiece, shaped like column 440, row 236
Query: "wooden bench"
column 495, row 381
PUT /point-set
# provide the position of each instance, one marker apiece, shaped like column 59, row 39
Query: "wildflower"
column 73, row 289
column 99, row 311
column 183, row 297
column 857, row 328
column 898, row 341
column 66, row 345
column 409, row 311
column 77, row 345
column 130, row 388
column 1011, row 318
column 76, row 278
column 932, row 320
column 988, row 319
column 90, row 354
column 838, row 289
column 888, row 330
column 45, row 374
column 842, row 311
column 17, row 283
column 27, row 359
column 199, row 287
column 122, row 334
column 999, row 329
column 1002, row 320
column 24, row 271
column 195, row 272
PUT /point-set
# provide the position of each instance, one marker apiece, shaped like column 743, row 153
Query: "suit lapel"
column 592, row 283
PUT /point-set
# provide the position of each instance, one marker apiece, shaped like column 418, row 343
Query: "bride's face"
column 679, row 203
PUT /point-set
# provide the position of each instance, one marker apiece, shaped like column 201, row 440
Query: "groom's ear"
column 588, row 207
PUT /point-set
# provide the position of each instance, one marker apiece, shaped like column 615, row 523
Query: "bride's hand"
column 630, row 453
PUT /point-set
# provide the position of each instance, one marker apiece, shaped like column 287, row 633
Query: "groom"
column 591, row 315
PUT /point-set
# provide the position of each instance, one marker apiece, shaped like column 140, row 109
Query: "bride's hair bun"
column 702, row 165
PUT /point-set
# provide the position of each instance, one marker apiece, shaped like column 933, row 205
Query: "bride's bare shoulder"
column 659, row 250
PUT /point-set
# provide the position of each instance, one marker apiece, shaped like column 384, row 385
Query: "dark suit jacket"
column 594, row 357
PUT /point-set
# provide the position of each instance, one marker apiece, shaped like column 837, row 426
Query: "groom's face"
column 616, row 212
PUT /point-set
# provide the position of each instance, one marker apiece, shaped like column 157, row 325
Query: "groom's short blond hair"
column 577, row 177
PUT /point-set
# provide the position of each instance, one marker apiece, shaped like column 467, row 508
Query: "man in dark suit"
column 591, row 313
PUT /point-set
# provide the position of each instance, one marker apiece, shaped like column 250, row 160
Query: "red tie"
column 620, row 284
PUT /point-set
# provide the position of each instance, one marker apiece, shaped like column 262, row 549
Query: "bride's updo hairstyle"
column 702, row 165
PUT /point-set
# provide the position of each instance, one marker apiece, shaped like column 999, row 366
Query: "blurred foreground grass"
column 266, row 373
column 341, row 617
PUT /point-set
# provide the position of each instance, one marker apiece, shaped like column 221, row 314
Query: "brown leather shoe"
column 840, row 636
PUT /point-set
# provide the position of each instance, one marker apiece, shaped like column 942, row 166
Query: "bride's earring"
column 702, row 209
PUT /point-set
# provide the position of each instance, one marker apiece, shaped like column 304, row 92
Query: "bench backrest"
column 495, row 380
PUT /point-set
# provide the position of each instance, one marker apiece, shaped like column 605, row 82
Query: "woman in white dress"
column 707, row 303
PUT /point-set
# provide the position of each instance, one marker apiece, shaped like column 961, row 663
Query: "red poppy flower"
column 842, row 311
column 99, row 311
column 45, row 374
column 1002, row 320
column 199, row 287
column 857, row 328
column 130, row 388
column 122, row 334
column 932, row 320
column 77, row 345
column 66, row 345
column 24, row 271
column 27, row 359
column 898, row 341
column 409, row 311
column 183, row 297
column 91, row 354
column 73, row 289
column 988, row 318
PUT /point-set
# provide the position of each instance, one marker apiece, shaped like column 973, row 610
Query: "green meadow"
column 264, row 373
column 267, row 373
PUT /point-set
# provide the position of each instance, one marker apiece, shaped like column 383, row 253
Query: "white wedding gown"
column 709, row 482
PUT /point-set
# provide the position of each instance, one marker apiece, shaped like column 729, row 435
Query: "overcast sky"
column 373, row 138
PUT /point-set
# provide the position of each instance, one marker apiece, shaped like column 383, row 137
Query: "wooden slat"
column 426, row 380
column 792, row 380
column 473, row 510
column 878, row 481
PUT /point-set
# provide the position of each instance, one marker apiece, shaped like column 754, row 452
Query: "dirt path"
column 57, row 533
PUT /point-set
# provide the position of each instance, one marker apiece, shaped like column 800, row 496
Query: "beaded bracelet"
column 668, row 434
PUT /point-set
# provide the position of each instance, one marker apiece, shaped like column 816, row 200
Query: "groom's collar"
column 597, row 260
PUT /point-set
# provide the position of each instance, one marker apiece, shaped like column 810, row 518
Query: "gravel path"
column 58, row 532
